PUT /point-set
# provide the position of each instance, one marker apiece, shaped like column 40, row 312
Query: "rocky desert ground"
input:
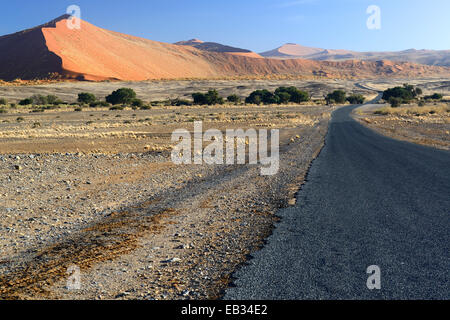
column 96, row 189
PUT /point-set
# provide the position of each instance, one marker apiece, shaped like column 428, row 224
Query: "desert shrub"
column 116, row 108
column 209, row 98
column 295, row 95
column 395, row 102
column 137, row 103
column 234, row 98
column 199, row 98
column 87, row 98
column 145, row 108
column 406, row 93
column 54, row 100
column 79, row 109
column 20, row 119
column 421, row 103
column 284, row 97
column 356, row 99
column 434, row 96
column 3, row 110
column 262, row 96
column 36, row 125
column 26, row 102
column 180, row 102
column 123, row 95
column 3, row 101
column 39, row 99
column 42, row 100
column 337, row 96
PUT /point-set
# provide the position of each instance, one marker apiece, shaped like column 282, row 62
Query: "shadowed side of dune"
column 24, row 55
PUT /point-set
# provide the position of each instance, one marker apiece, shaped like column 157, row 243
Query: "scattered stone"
column 123, row 294
column 172, row 260
column 185, row 293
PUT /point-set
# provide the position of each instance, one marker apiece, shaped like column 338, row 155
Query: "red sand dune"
column 92, row 53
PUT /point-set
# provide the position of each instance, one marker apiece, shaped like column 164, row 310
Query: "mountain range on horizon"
column 52, row 50
column 295, row 51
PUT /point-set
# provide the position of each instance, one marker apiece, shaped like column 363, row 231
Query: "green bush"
column 210, row 98
column 337, row 96
column 39, row 99
column 395, row 102
column 406, row 93
column 54, row 100
column 356, row 99
column 86, row 98
column 262, row 96
column 121, row 96
column 3, row 101
column 234, row 98
column 281, row 95
column 295, row 95
column 137, row 103
column 434, row 96
column 284, row 97
column 78, row 109
column 26, row 102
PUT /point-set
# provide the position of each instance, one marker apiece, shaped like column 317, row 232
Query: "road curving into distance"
column 368, row 200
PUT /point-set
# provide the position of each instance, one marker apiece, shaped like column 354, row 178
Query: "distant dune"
column 296, row 51
column 217, row 47
column 54, row 51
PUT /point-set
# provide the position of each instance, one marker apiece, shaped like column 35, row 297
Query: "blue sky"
column 257, row 25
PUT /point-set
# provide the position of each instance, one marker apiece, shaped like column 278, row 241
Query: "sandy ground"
column 414, row 124
column 106, row 198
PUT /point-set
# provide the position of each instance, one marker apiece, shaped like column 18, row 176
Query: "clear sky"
column 258, row 25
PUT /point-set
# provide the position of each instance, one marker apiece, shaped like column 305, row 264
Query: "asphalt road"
column 368, row 200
